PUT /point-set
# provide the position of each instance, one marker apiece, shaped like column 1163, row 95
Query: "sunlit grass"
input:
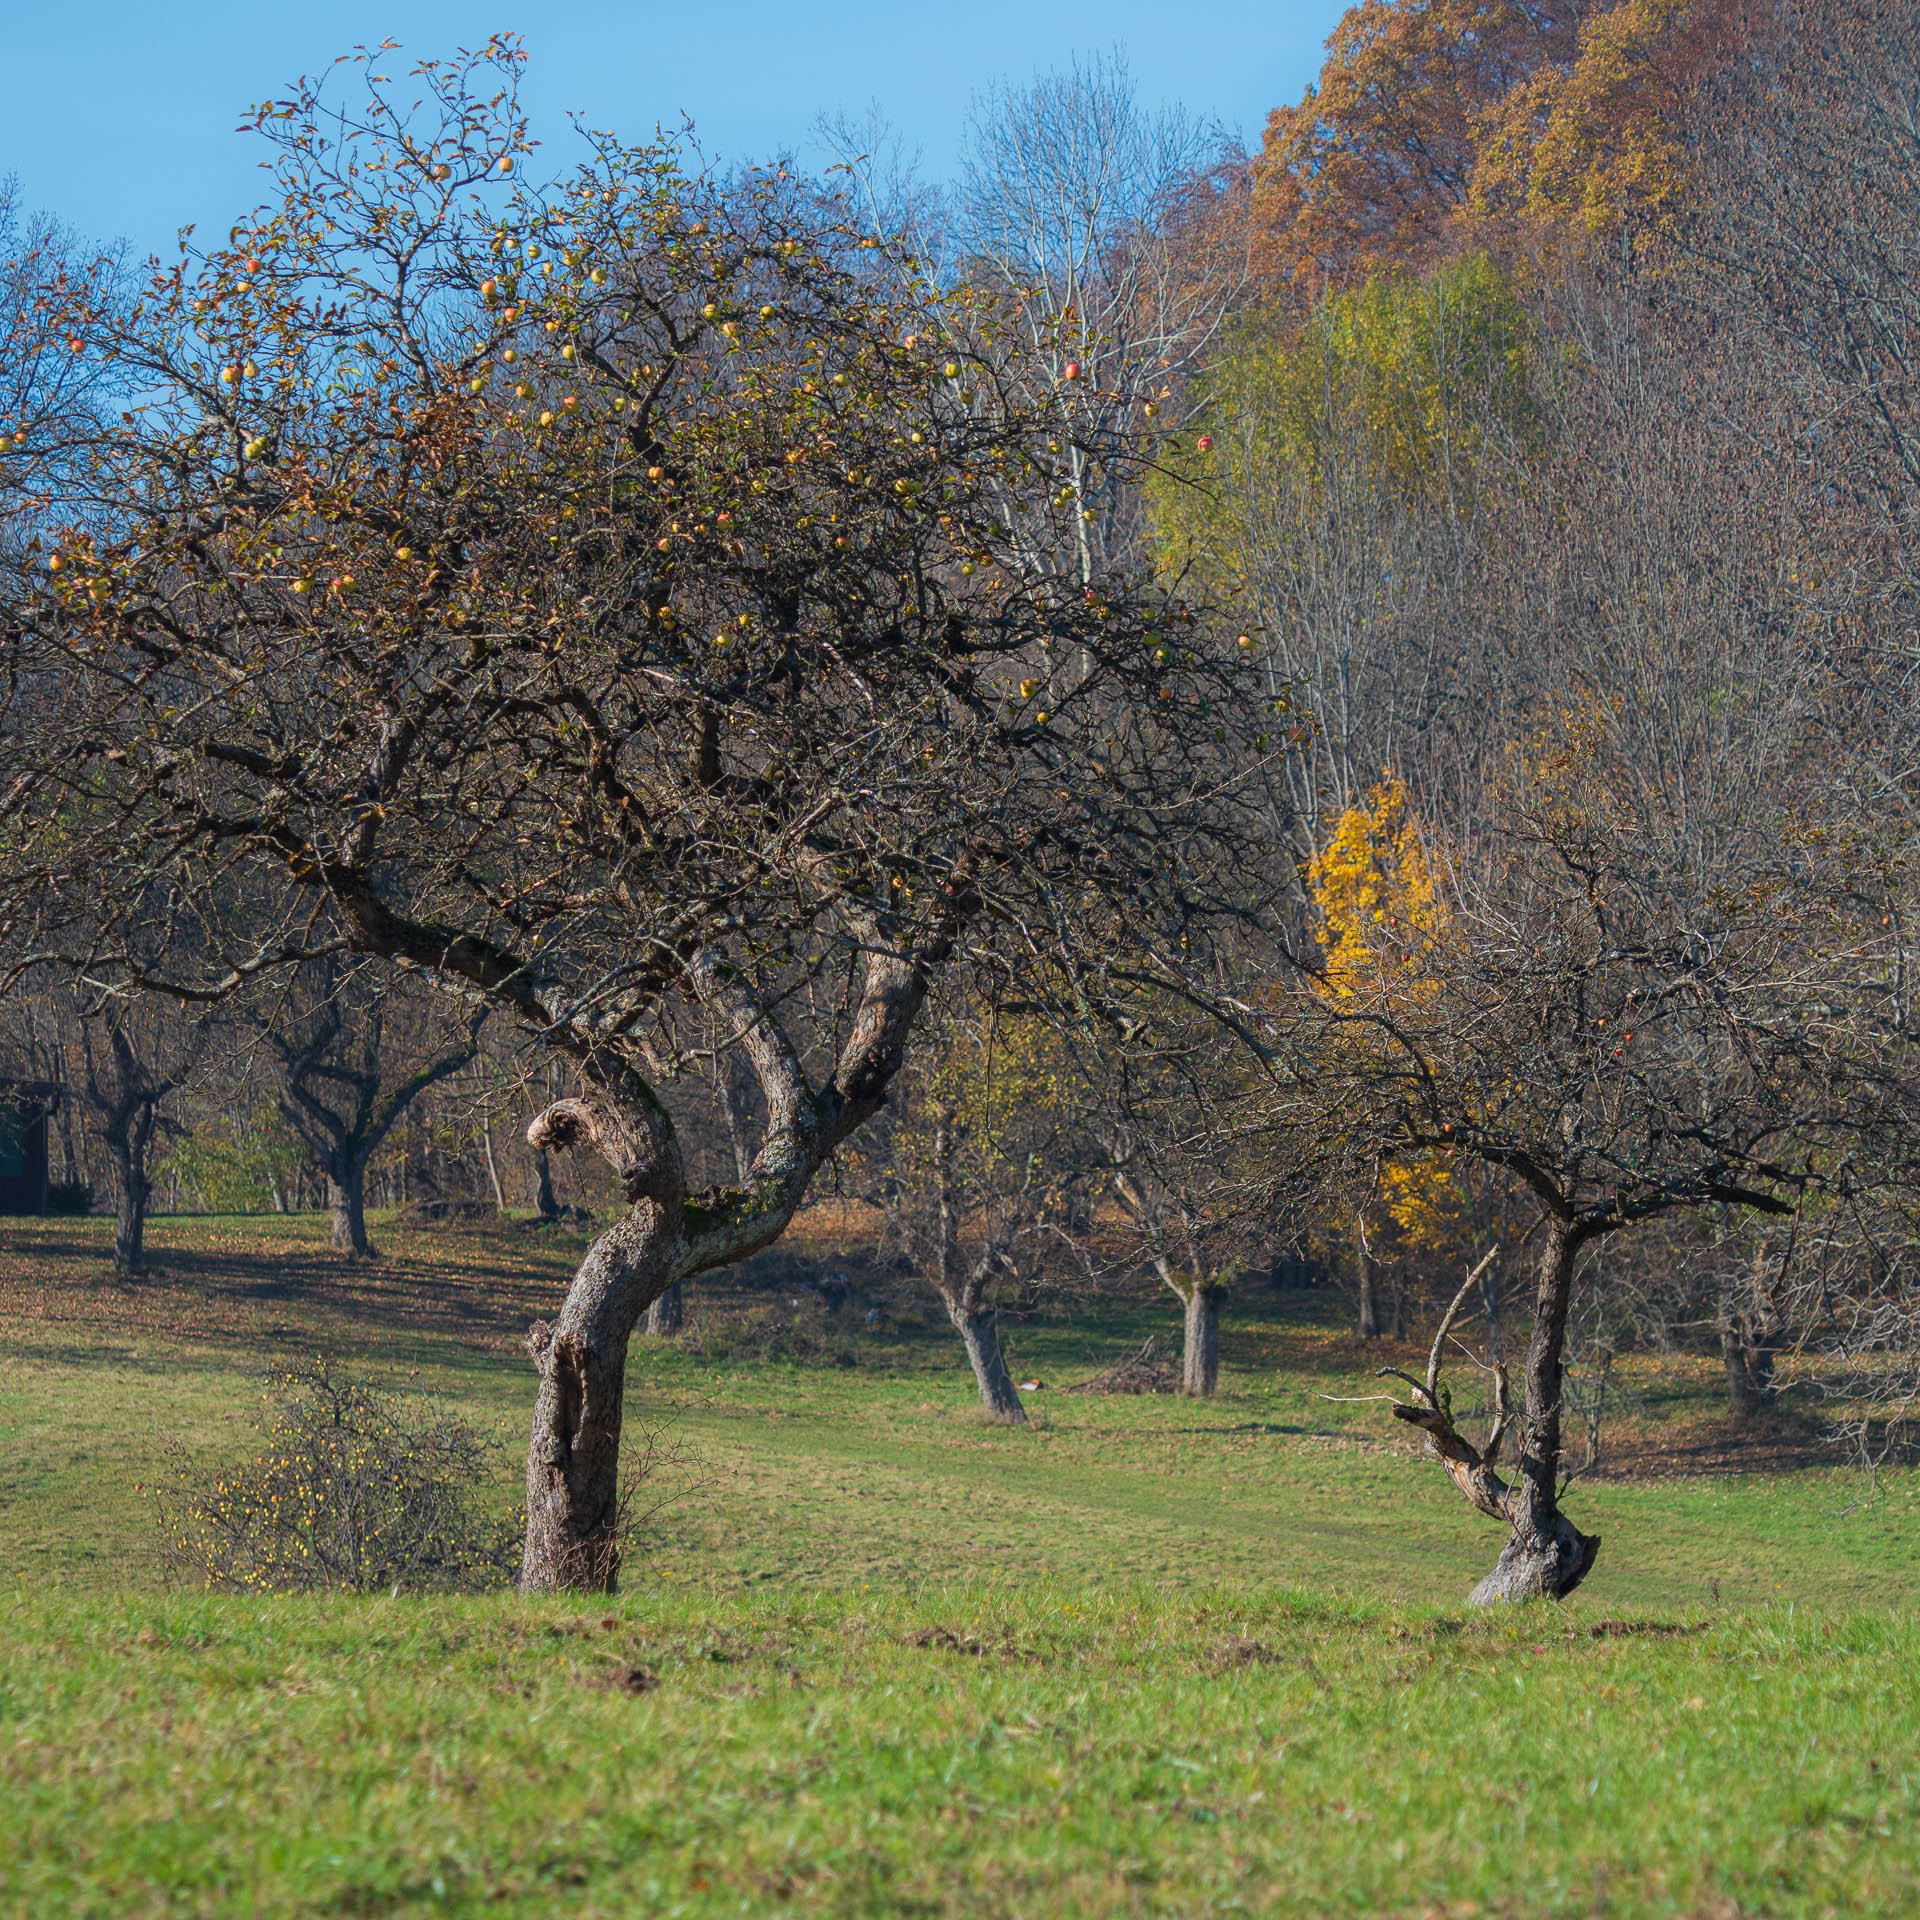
column 996, row 1748
column 877, row 1656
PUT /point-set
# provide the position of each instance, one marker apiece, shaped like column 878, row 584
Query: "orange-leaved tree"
column 1438, row 123
column 1373, row 166
column 1587, row 147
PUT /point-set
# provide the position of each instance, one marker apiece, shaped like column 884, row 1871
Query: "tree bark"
column 573, row 1459
column 573, row 1455
column 1200, row 1349
column 347, row 1196
column 1749, row 1362
column 544, row 1204
column 1545, row 1553
column 493, row 1166
column 980, row 1329
column 668, row 1314
column 1543, row 1558
column 132, row 1191
column 1370, row 1325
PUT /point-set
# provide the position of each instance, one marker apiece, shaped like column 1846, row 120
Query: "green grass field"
column 874, row 1656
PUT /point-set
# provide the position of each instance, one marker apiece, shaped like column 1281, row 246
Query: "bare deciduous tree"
column 350, row 1055
column 132, row 1056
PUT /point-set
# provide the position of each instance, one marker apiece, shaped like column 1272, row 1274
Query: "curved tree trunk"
column 574, row 1515
column 980, row 1329
column 668, row 1314
column 1200, row 1350
column 347, row 1196
column 1545, row 1554
column 573, row 1459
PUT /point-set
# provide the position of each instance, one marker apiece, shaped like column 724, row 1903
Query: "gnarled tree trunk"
column 573, row 1459
column 668, row 1314
column 1545, row 1555
column 573, row 1456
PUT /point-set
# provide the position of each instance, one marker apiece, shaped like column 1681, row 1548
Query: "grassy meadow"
column 873, row 1655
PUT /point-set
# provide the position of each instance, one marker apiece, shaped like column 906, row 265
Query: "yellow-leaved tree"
column 1407, row 386
column 1379, row 908
column 1381, row 918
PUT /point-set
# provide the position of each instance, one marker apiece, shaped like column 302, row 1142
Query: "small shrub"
column 358, row 1488
column 803, row 1331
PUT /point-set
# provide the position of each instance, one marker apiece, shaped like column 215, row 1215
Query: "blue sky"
column 120, row 115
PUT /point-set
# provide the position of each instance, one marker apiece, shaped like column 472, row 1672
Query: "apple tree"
column 597, row 601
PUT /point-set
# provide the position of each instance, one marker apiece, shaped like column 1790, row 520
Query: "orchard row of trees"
column 1358, row 700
